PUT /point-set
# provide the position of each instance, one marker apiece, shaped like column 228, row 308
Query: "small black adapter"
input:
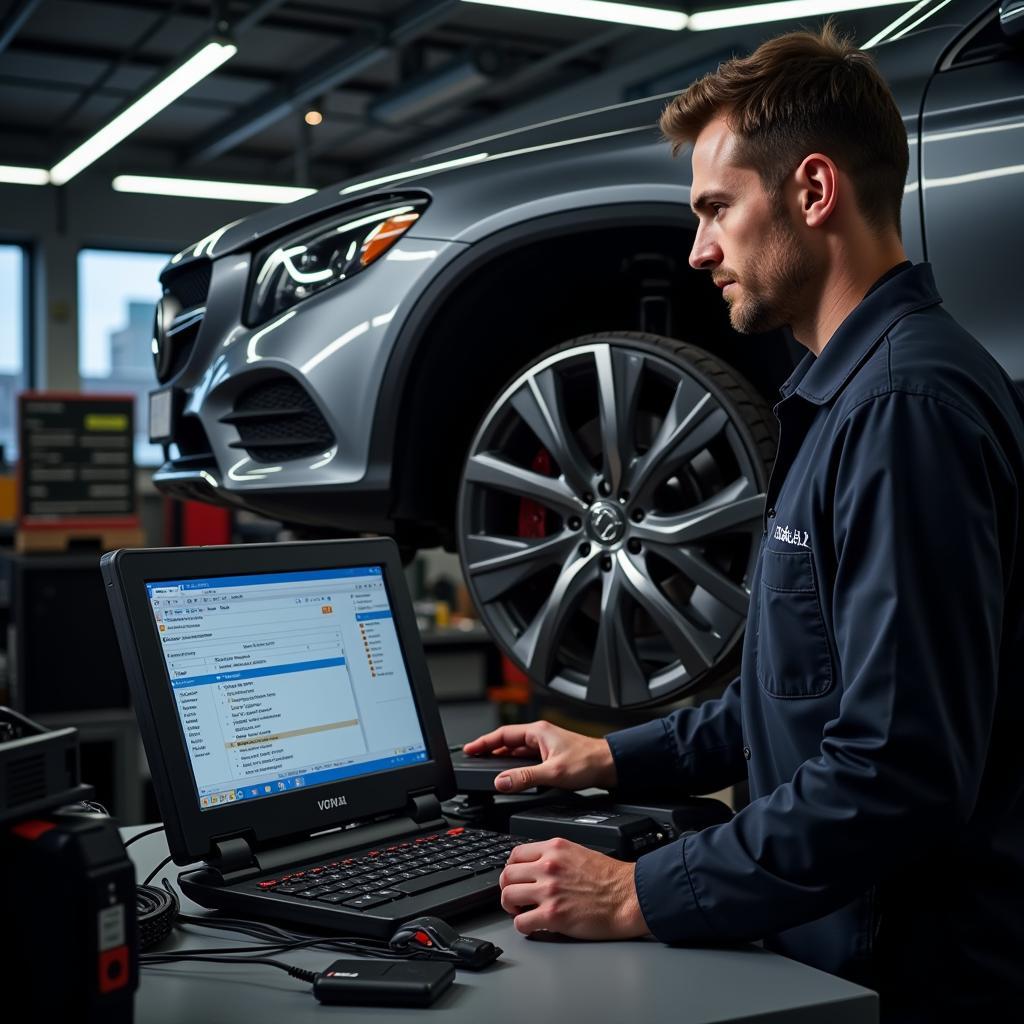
column 377, row 983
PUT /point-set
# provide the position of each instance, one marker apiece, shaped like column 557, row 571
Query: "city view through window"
column 12, row 343
column 117, row 292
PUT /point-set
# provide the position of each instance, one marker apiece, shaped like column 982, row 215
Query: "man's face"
column 746, row 239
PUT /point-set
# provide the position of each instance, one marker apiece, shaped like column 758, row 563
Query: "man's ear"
column 817, row 182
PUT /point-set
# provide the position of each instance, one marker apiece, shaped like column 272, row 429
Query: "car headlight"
column 324, row 254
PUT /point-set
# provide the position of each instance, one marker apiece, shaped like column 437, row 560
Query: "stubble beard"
column 774, row 283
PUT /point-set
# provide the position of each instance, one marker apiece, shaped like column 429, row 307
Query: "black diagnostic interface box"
column 626, row 830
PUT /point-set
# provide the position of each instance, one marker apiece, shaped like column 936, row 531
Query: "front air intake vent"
column 194, row 450
column 276, row 421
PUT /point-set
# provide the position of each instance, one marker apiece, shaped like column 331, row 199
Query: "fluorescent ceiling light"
column 597, row 10
column 756, row 14
column 148, row 105
column 24, row 175
column 191, row 188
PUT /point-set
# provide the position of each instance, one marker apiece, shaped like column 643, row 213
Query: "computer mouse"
column 431, row 937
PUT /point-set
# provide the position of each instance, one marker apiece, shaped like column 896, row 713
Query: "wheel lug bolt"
column 584, row 549
column 624, row 497
column 634, row 546
column 605, row 488
column 606, row 563
column 575, row 523
column 638, row 515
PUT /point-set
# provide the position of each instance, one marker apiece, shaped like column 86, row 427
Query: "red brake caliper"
column 532, row 524
column 532, row 515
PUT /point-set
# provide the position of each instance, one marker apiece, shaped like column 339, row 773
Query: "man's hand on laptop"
column 562, row 887
column 568, row 760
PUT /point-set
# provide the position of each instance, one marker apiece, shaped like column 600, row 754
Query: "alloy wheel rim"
column 636, row 581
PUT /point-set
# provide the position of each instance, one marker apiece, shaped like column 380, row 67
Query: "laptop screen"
column 285, row 680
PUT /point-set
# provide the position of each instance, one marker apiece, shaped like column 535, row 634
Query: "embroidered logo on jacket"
column 792, row 536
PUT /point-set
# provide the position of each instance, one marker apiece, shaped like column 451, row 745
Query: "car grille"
column 187, row 288
column 190, row 284
column 276, row 421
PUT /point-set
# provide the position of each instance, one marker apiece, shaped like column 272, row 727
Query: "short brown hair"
column 798, row 94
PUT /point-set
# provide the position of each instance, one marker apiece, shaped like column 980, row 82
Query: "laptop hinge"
column 424, row 807
column 233, row 858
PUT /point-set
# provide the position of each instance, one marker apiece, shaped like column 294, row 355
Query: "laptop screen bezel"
column 192, row 832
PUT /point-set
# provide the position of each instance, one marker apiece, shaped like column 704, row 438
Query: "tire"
column 609, row 518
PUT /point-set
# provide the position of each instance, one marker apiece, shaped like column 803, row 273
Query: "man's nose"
column 705, row 254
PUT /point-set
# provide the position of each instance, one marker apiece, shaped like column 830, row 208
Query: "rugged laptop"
column 293, row 735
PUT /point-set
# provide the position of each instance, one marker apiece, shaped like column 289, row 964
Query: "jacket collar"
column 818, row 379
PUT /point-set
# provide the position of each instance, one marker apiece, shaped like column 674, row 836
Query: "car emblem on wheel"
column 606, row 523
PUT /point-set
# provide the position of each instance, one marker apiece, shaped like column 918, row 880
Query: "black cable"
column 155, row 911
column 142, row 835
column 275, row 937
column 324, row 942
column 266, row 930
column 263, row 947
column 156, row 871
column 296, row 972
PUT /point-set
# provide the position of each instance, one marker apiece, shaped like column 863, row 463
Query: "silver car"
column 501, row 348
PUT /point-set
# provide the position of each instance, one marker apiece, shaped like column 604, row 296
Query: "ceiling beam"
column 259, row 74
column 250, row 19
column 114, row 66
column 19, row 13
column 364, row 50
column 49, row 85
column 530, row 72
column 254, row 16
column 330, row 18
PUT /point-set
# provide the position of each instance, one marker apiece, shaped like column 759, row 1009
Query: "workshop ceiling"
column 387, row 76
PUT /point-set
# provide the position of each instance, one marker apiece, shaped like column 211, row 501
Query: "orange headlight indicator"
column 384, row 235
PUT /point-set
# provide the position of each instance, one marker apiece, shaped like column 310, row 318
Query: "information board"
column 77, row 463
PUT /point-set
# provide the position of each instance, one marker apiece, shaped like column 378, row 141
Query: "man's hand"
column 570, row 761
column 571, row 890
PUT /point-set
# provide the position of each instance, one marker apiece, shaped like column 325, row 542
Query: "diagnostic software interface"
column 285, row 680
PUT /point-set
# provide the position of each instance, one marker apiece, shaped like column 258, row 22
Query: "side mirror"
column 1011, row 20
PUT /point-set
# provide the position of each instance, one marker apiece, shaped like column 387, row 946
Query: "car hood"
column 906, row 63
column 623, row 120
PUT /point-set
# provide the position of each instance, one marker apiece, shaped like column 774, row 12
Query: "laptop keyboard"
column 393, row 872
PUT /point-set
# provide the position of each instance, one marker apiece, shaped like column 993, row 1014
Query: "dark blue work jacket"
column 879, row 713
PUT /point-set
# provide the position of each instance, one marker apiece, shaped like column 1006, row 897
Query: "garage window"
column 117, row 291
column 13, row 341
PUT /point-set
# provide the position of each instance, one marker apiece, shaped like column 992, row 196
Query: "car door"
column 972, row 177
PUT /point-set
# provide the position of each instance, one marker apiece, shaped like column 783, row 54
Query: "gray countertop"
column 534, row 981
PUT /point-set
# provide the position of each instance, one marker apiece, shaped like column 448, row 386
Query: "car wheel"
column 609, row 517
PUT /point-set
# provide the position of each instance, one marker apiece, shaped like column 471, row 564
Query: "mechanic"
column 880, row 701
